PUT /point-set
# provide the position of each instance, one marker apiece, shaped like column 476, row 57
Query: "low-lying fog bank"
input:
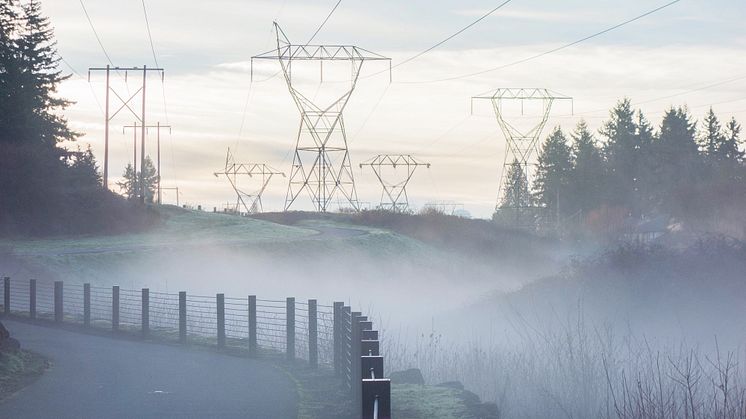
column 638, row 331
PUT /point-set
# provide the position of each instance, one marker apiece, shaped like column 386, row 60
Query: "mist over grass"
column 513, row 317
column 403, row 272
column 638, row 331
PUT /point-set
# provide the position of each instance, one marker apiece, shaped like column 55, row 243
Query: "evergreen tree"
column 40, row 77
column 516, row 193
column 621, row 150
column 130, row 183
column 552, row 185
column 644, row 199
column 730, row 149
column 679, row 166
column 515, row 205
column 586, row 178
column 713, row 137
column 8, row 69
column 46, row 189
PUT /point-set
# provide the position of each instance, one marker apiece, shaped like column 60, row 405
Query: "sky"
column 690, row 53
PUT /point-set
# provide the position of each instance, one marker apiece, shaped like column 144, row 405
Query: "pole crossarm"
column 321, row 162
column 394, row 195
column 522, row 143
column 260, row 170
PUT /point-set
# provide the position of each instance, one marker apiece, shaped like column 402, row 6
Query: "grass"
column 180, row 227
column 19, row 369
column 412, row 401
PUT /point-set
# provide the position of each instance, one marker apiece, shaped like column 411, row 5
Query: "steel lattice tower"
column 522, row 146
column 321, row 162
column 394, row 195
column 251, row 202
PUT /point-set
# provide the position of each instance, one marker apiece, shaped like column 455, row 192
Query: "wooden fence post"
column 252, row 325
column 290, row 328
column 221, row 319
column 115, row 308
column 145, row 312
column 337, row 337
column 6, row 295
column 86, row 305
column 32, row 298
column 182, row 317
column 58, row 301
column 313, row 334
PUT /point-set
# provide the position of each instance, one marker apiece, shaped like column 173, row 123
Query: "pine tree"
column 730, row 149
column 713, row 137
column 516, row 193
column 130, row 183
column 644, row 201
column 551, row 187
column 39, row 61
column 515, row 204
column 9, row 70
column 621, row 150
column 679, row 165
column 586, row 178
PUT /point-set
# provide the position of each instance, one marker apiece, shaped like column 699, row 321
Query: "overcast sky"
column 205, row 47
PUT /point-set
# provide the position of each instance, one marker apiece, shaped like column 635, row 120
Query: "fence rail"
column 330, row 336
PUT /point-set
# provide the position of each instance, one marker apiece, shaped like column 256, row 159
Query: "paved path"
column 100, row 377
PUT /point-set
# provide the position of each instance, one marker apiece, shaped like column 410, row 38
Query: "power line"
column 656, row 99
column 93, row 28
column 324, row 22
column 150, row 36
column 459, row 32
column 372, row 111
column 551, row 51
column 80, row 76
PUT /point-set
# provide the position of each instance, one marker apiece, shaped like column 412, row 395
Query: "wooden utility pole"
column 144, row 129
column 134, row 127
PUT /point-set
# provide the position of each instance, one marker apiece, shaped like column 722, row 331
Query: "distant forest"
column 46, row 189
column 684, row 172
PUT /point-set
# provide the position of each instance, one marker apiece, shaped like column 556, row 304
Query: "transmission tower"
column 251, row 202
column 394, row 195
column 522, row 148
column 321, row 163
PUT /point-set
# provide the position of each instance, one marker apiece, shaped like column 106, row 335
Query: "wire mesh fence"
column 124, row 310
column 101, row 306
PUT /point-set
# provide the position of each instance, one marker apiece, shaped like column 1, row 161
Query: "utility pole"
column 158, row 127
column 134, row 153
column 124, row 104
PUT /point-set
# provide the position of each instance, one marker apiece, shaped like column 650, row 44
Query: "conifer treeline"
column 44, row 188
column 692, row 172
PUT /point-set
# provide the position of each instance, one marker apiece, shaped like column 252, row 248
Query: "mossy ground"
column 413, row 401
column 19, row 369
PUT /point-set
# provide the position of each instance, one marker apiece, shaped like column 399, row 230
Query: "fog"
column 541, row 327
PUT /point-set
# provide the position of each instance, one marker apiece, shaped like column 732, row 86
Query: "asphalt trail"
column 100, row 377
